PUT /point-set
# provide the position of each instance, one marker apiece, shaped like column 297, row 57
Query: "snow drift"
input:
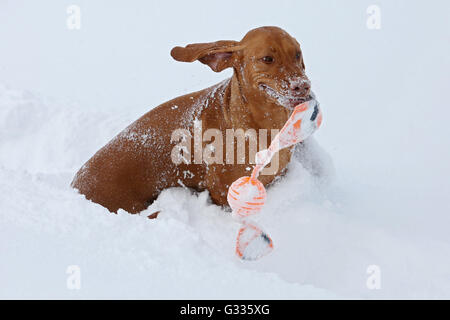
column 385, row 131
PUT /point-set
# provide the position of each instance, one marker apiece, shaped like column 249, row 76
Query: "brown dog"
column 268, row 81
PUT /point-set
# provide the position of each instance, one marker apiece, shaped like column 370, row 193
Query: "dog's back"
column 135, row 166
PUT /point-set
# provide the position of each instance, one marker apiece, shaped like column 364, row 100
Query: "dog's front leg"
column 219, row 178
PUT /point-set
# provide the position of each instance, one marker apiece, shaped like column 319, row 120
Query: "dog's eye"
column 267, row 59
column 298, row 56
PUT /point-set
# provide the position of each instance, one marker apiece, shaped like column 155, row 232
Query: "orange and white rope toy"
column 247, row 195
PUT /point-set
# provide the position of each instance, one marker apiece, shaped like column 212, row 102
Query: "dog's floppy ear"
column 217, row 55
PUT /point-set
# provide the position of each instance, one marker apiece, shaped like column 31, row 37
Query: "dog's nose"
column 301, row 86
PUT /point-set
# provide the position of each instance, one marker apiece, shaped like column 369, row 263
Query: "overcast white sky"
column 120, row 57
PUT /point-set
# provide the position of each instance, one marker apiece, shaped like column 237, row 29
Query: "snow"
column 383, row 152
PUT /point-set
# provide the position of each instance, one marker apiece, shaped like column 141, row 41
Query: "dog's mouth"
column 287, row 100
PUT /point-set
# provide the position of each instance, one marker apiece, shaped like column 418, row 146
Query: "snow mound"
column 326, row 234
column 46, row 226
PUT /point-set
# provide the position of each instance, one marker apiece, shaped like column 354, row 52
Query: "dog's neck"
column 239, row 104
column 235, row 109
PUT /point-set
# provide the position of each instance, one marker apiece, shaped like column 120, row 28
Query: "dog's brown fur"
column 132, row 169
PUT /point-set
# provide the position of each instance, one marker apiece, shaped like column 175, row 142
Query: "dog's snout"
column 301, row 86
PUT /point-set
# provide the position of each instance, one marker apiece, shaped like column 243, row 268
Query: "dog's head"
column 267, row 61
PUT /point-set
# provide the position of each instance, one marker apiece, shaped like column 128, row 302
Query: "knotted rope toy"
column 247, row 195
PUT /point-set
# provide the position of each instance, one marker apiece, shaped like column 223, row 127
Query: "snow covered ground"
column 64, row 94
